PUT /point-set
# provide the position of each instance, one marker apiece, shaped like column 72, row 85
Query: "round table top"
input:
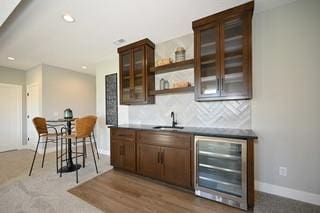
column 62, row 120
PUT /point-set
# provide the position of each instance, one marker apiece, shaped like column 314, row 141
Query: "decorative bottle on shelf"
column 180, row 54
column 162, row 83
column 166, row 84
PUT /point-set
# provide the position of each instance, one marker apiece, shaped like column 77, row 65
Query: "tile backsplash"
column 221, row 114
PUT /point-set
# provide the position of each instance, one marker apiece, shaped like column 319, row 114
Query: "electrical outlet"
column 283, row 171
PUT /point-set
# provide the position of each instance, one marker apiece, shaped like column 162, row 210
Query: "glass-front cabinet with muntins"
column 209, row 62
column 136, row 80
column 223, row 55
column 234, row 64
column 125, row 63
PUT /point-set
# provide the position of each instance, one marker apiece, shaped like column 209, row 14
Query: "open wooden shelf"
column 173, row 66
column 173, row 90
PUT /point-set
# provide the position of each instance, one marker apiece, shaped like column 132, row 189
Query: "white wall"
column 103, row 133
column 286, row 101
column 34, row 76
column 63, row 88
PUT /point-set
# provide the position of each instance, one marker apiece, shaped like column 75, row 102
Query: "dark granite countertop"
column 203, row 131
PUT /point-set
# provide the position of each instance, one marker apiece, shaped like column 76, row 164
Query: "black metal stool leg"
column 66, row 143
column 94, row 158
column 57, row 152
column 84, row 149
column 95, row 144
column 77, row 160
column 34, row 156
column 61, row 155
column 44, row 153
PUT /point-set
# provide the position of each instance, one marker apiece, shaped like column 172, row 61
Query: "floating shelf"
column 173, row 90
column 173, row 66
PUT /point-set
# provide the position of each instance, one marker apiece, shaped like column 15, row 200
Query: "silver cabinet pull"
column 222, row 82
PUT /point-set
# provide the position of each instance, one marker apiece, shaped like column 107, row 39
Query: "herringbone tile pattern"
column 222, row 114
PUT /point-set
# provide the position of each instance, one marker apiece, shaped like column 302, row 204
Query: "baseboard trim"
column 288, row 192
column 104, row 151
column 41, row 150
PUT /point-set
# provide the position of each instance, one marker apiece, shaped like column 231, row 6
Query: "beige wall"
column 13, row 76
column 103, row 133
column 64, row 88
column 286, row 101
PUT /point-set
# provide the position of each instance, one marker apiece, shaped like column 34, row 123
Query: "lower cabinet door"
column 176, row 166
column 129, row 153
column 116, row 154
column 149, row 160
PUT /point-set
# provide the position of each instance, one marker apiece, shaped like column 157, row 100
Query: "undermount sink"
column 168, row 127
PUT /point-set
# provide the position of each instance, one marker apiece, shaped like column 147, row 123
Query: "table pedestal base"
column 71, row 168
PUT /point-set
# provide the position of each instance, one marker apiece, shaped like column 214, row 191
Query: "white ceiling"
column 6, row 8
column 35, row 33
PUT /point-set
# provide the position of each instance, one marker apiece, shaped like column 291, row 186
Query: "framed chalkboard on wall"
column 111, row 99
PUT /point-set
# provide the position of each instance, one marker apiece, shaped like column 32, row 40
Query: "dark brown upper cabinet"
column 136, row 80
column 223, row 55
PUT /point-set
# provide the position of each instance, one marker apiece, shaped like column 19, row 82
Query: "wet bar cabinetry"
column 164, row 156
column 217, row 164
column 136, row 80
column 223, row 55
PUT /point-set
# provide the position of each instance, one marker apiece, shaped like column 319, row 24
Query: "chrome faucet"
column 174, row 122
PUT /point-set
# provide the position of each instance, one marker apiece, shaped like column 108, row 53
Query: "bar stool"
column 83, row 129
column 94, row 142
column 42, row 129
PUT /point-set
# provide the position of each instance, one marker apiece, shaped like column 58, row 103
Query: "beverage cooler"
column 221, row 170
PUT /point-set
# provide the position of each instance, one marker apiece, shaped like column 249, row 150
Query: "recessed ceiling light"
column 11, row 58
column 84, row 67
column 68, row 18
column 119, row 42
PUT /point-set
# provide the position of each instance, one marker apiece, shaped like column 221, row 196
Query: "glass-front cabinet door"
column 207, row 66
column 138, row 92
column 222, row 55
column 234, row 66
column 125, row 63
column 136, row 78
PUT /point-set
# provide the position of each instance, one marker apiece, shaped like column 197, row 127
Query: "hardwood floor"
column 118, row 191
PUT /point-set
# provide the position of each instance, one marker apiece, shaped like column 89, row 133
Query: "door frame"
column 27, row 110
column 19, row 112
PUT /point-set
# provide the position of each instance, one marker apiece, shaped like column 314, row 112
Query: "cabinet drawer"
column 165, row 139
column 123, row 134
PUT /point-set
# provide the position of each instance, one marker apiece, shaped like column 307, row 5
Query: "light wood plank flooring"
column 118, row 191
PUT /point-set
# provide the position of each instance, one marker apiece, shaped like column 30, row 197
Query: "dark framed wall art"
column 111, row 99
